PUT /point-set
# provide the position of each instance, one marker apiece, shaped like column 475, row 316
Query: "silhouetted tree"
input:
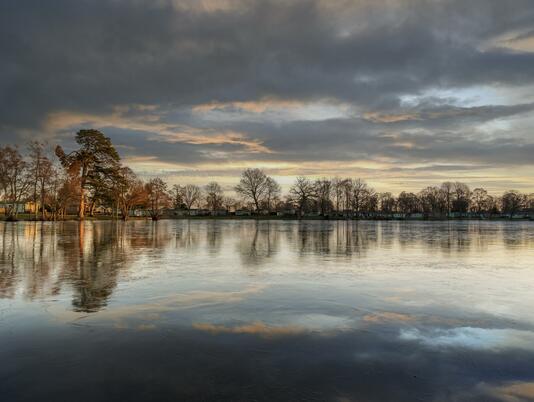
column 157, row 198
column 214, row 196
column 15, row 180
column 512, row 202
column 302, row 192
column 191, row 194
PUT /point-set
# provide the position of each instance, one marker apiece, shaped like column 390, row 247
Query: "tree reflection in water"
column 44, row 259
column 266, row 310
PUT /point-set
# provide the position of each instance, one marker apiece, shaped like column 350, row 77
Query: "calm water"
column 267, row 311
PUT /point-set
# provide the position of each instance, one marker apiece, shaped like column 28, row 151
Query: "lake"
column 243, row 310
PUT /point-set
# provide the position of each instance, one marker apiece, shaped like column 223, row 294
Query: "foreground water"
column 245, row 310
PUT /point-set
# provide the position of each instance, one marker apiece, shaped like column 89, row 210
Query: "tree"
column 447, row 189
column 191, row 195
column 479, row 200
column 512, row 202
column 61, row 192
column 338, row 191
column 361, row 194
column 272, row 194
column 461, row 197
column 323, row 192
column 95, row 159
column 253, row 186
column 14, row 179
column 157, row 197
column 433, row 200
column 40, row 169
column 131, row 192
column 408, row 203
column 302, row 192
column 214, row 196
column 387, row 202
column 177, row 198
column 229, row 203
column 529, row 202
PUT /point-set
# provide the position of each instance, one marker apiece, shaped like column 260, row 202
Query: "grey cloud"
column 91, row 55
column 88, row 57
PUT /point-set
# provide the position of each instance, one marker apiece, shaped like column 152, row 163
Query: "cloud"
column 255, row 328
column 189, row 82
column 513, row 392
column 472, row 338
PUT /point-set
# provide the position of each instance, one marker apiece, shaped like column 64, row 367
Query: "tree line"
column 92, row 178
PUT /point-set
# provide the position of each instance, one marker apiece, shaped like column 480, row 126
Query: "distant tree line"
column 91, row 179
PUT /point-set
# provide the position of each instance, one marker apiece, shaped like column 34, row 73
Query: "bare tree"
column 323, row 192
column 447, row 190
column 229, row 203
column 361, row 194
column 302, row 192
column 387, row 202
column 461, row 197
column 479, row 200
column 433, row 200
column 191, row 195
column 512, row 202
column 214, row 196
column 14, row 179
column 272, row 194
column 177, row 198
column 408, row 203
column 338, row 191
column 131, row 192
column 61, row 192
column 253, row 186
column 157, row 197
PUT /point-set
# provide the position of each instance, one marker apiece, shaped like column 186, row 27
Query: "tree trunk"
column 81, row 207
column 43, row 211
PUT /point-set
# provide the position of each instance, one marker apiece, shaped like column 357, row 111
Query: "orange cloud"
column 256, row 328
column 514, row 392
column 387, row 316
column 252, row 106
column 150, row 123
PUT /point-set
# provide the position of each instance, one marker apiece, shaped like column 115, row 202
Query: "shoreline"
column 268, row 218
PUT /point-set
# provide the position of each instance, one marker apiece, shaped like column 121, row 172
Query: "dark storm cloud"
column 86, row 58
column 91, row 55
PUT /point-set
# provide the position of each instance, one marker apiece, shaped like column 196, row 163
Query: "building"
column 138, row 213
column 219, row 212
column 19, row 207
column 416, row 215
column 242, row 212
column 287, row 212
column 199, row 212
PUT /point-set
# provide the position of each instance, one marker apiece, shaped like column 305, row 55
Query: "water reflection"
column 40, row 259
column 267, row 310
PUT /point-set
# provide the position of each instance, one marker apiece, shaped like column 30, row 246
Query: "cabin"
column 199, row 212
column 287, row 212
column 458, row 215
column 243, row 212
column 219, row 212
column 312, row 214
column 19, row 207
column 415, row 215
column 180, row 212
column 138, row 213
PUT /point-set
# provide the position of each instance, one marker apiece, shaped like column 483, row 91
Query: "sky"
column 402, row 93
